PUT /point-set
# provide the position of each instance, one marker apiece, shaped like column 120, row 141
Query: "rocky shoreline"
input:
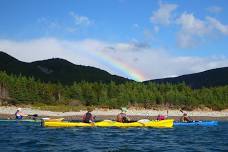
column 101, row 114
column 112, row 117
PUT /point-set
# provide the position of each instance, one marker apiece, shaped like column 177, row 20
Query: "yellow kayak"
column 52, row 119
column 108, row 123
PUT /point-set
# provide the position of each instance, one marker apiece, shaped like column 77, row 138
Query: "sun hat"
column 124, row 109
column 19, row 109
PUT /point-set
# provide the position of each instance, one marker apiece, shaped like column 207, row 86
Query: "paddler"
column 19, row 114
column 122, row 117
column 185, row 117
column 88, row 117
column 162, row 117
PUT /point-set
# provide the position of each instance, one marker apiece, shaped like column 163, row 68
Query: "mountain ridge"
column 56, row 70
column 208, row 78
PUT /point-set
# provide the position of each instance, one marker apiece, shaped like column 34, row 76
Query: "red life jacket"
column 88, row 117
column 161, row 117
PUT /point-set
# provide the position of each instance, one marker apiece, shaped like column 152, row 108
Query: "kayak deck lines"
column 108, row 123
column 197, row 123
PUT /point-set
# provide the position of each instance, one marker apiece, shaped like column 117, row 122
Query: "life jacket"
column 122, row 117
column 186, row 119
column 88, row 117
column 161, row 117
column 18, row 116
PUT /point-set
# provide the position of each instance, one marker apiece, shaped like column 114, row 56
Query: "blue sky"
column 172, row 33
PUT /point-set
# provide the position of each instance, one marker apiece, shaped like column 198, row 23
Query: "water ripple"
column 31, row 137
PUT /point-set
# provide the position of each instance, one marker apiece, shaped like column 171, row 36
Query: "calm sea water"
column 28, row 136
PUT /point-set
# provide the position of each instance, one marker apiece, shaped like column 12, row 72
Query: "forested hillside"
column 28, row 91
column 210, row 78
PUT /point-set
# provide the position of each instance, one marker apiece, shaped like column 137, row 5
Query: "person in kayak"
column 122, row 117
column 185, row 117
column 88, row 117
column 162, row 117
column 19, row 114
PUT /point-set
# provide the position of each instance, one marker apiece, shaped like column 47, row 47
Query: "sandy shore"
column 8, row 112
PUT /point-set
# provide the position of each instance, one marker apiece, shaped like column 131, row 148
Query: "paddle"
column 167, row 113
column 181, row 111
column 34, row 115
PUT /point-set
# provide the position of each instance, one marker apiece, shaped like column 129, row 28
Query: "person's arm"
column 189, row 119
column 118, row 118
column 83, row 117
column 22, row 114
column 92, row 118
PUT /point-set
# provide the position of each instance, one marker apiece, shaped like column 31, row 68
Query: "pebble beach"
column 7, row 112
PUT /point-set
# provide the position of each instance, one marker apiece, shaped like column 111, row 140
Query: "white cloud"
column 214, row 23
column 153, row 63
column 190, row 24
column 148, row 35
column 185, row 40
column 214, row 9
column 192, row 29
column 32, row 50
column 164, row 14
column 80, row 20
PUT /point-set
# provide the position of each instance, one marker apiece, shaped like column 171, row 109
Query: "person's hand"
column 92, row 124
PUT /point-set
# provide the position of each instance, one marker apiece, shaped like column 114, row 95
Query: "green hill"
column 209, row 78
column 56, row 70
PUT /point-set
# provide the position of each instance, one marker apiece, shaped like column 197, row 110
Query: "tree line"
column 27, row 90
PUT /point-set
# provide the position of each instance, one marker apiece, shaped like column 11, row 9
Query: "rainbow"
column 118, row 67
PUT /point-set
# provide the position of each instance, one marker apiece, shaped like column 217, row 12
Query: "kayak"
column 108, row 123
column 196, row 123
column 52, row 119
column 31, row 120
column 22, row 120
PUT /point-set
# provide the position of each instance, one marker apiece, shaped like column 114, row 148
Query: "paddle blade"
column 35, row 115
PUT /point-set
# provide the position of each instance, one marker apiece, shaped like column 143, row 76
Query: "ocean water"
column 30, row 136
